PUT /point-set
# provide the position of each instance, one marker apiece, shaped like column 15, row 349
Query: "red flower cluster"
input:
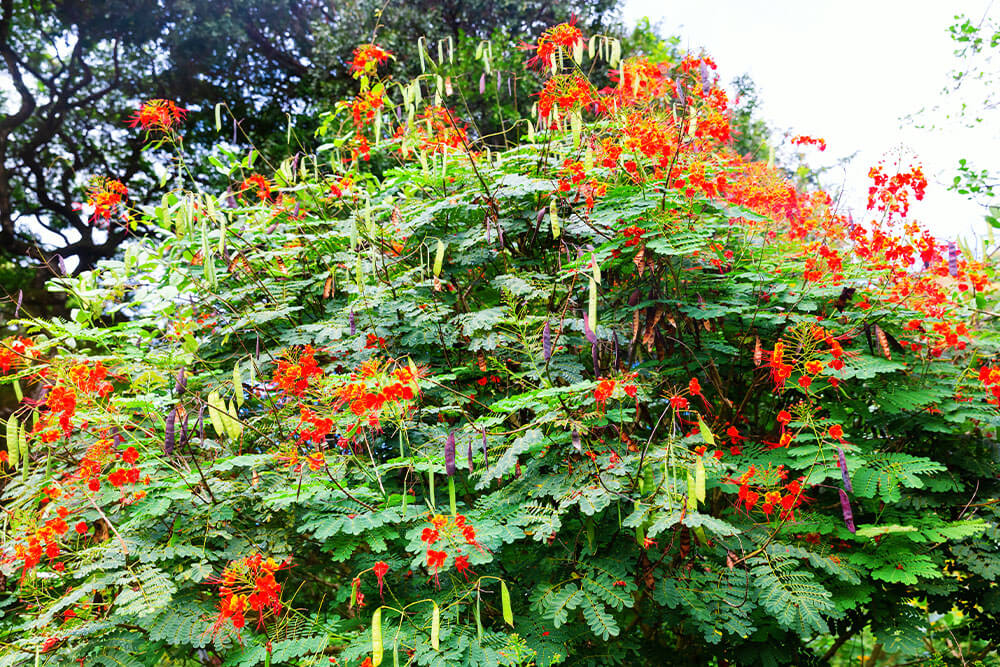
column 258, row 184
column 568, row 92
column 563, row 36
column 158, row 115
column 246, row 585
column 91, row 380
column 374, row 388
column 804, row 140
column 15, row 353
column 457, row 532
column 367, row 58
column 776, row 495
column 435, row 130
column 634, row 235
column 891, row 194
column 105, row 195
column 989, row 376
column 292, row 375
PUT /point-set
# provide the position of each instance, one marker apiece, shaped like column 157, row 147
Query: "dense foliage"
column 614, row 395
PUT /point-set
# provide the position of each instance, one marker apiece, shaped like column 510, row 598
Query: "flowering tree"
column 614, row 395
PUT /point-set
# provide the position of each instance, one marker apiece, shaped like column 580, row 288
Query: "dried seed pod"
column 593, row 354
column 350, row 321
column 576, row 442
column 449, row 455
column 470, row 457
column 883, row 342
column 486, row 460
column 17, row 306
column 845, row 506
column 181, row 384
column 168, row 432
column 758, row 352
column 842, row 462
column 591, row 337
column 547, row 342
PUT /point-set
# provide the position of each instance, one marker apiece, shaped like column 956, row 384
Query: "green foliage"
column 290, row 428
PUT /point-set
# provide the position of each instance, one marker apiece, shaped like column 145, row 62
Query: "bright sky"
column 848, row 71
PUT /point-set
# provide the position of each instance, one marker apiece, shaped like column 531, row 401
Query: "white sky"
column 848, row 71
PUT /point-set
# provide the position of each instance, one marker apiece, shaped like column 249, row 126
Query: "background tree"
column 77, row 69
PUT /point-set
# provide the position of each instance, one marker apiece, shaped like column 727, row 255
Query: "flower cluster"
column 246, row 585
column 374, row 389
column 456, row 532
column 367, row 58
column 16, row 353
column 257, row 184
column 293, row 373
column 564, row 36
column 158, row 115
column 804, row 140
column 891, row 194
column 105, row 195
column 770, row 488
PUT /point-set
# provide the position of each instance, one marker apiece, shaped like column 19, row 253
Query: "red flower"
column 130, row 456
column 837, row 432
column 784, row 417
column 694, row 387
column 160, row 115
column 462, row 565
column 430, row 536
column 380, row 569
column 604, row 390
column 81, row 528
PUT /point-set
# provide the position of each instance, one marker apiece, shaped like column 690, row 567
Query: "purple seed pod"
column 231, row 201
column 500, row 234
column 510, row 91
column 271, row 229
column 181, row 383
column 842, row 462
column 486, row 459
column 470, row 457
column 234, row 130
column 482, row 84
column 953, row 253
column 705, row 81
column 257, row 349
column 576, row 442
column 168, row 433
column 617, row 357
column 680, row 93
column 201, row 424
column 593, row 354
column 17, row 306
column 498, row 81
column 116, row 436
column 184, row 428
column 350, row 321
column 62, row 265
column 547, row 342
column 845, row 506
column 449, row 455
column 586, row 330
column 296, row 212
column 539, row 216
